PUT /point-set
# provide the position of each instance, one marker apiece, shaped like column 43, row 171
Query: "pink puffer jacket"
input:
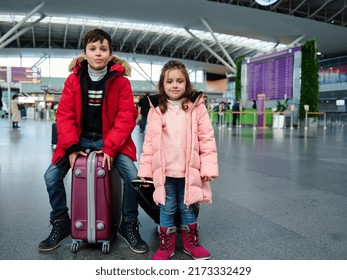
column 201, row 153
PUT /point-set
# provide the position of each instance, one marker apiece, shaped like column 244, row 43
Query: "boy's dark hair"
column 170, row 65
column 96, row 35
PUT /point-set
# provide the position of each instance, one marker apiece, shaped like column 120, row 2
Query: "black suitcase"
column 149, row 206
column 54, row 137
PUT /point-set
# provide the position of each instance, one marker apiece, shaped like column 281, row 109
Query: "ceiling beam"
column 139, row 39
column 49, row 34
column 298, row 7
column 18, row 25
column 153, row 41
column 65, row 32
column 337, row 13
column 33, row 36
column 22, row 31
column 125, row 38
column 231, row 61
column 226, row 64
column 178, row 45
column 80, row 38
column 320, row 8
column 167, row 42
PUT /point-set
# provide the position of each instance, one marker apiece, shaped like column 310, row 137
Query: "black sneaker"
column 130, row 233
column 60, row 231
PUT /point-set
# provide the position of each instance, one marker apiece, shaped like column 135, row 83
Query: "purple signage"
column 3, row 74
column 26, row 75
column 271, row 75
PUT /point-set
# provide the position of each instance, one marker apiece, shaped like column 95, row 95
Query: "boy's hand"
column 73, row 156
column 108, row 160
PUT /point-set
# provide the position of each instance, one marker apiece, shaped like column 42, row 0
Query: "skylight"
column 224, row 39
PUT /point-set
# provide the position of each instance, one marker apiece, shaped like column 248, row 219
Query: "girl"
column 180, row 154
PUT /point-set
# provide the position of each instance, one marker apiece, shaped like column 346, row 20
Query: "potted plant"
column 278, row 117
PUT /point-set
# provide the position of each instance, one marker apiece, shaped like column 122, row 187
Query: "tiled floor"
column 281, row 194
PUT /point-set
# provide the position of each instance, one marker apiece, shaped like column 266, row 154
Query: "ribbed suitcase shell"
column 91, row 206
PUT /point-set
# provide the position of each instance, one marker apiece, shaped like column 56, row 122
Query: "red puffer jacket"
column 118, row 112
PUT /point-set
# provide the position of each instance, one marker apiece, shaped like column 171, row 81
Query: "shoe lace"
column 192, row 238
column 165, row 241
column 133, row 231
column 55, row 231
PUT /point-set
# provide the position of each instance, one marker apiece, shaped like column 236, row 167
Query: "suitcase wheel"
column 105, row 247
column 74, row 246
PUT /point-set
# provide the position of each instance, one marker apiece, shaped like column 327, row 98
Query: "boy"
column 96, row 111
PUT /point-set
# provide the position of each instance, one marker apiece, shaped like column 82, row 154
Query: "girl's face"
column 174, row 84
column 98, row 54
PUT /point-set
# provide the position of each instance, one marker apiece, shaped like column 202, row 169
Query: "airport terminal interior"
column 281, row 191
column 281, row 195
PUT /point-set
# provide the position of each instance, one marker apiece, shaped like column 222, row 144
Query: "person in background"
column 143, row 108
column 221, row 107
column 236, row 109
column 254, row 106
column 15, row 111
column 180, row 154
column 96, row 111
column 1, row 98
column 221, row 110
column 143, row 105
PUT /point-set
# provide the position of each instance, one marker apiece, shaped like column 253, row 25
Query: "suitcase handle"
column 137, row 184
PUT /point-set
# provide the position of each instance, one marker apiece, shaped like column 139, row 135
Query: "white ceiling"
column 286, row 22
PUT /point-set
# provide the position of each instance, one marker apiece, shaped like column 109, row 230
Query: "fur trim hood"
column 115, row 59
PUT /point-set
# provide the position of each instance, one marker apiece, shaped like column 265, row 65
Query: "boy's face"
column 98, row 54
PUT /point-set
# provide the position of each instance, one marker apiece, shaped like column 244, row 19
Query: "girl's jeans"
column 174, row 189
column 54, row 178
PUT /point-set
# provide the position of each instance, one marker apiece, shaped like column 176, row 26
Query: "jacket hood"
column 127, row 69
column 197, row 96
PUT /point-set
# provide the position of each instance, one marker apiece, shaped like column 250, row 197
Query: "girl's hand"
column 207, row 179
column 144, row 180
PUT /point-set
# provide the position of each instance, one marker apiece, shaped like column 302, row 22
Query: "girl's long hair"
column 170, row 65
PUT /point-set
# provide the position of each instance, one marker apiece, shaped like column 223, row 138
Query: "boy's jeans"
column 54, row 178
column 174, row 189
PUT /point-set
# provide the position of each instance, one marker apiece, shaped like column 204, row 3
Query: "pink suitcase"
column 91, row 203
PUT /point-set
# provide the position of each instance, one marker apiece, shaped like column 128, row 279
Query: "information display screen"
column 271, row 75
column 3, row 74
column 26, row 75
